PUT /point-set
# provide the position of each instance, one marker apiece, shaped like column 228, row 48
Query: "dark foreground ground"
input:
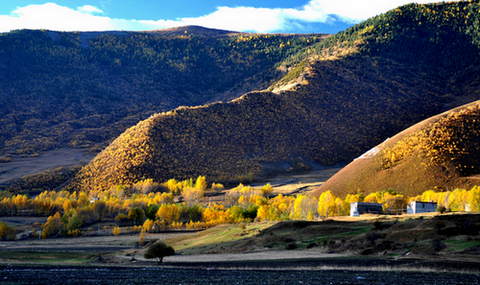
column 170, row 275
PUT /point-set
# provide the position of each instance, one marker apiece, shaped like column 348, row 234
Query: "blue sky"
column 266, row 16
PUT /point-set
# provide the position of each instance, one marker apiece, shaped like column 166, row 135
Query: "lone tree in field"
column 159, row 250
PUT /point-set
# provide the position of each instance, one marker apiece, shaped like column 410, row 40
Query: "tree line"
column 149, row 211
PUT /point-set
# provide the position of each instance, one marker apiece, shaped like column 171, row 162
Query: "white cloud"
column 87, row 9
column 54, row 17
column 355, row 11
column 89, row 18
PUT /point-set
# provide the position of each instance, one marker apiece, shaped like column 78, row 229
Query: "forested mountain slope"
column 358, row 88
column 84, row 89
column 441, row 153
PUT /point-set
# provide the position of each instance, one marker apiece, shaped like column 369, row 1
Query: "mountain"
column 440, row 153
column 83, row 89
column 355, row 89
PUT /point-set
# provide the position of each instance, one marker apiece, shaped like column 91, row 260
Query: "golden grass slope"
column 440, row 153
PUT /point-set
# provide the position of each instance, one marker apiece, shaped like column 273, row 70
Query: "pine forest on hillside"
column 61, row 90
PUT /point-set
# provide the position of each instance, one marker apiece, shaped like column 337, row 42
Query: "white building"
column 358, row 208
column 416, row 207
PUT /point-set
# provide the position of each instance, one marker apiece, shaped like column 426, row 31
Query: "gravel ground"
column 158, row 275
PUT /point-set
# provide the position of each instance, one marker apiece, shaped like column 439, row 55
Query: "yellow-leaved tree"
column 201, row 183
column 473, row 199
column 192, row 196
column 326, row 205
column 52, row 226
column 168, row 213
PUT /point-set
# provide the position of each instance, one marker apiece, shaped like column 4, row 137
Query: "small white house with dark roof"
column 416, row 207
column 358, row 208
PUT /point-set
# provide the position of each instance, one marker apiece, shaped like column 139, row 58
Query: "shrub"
column 378, row 225
column 437, row 244
column 291, row 246
column 116, row 231
column 371, row 237
column 159, row 250
column 441, row 209
column 438, row 225
column 6, row 232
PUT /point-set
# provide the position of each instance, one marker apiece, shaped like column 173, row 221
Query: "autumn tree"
column 67, row 205
column 148, row 225
column 116, row 231
column 473, row 199
column 52, row 226
column 266, row 190
column 201, row 183
column 168, row 213
column 164, row 198
column 83, row 199
column 172, row 186
column 192, row 196
column 393, row 203
column 304, row 207
column 119, row 192
column 145, row 186
column 217, row 186
column 326, row 205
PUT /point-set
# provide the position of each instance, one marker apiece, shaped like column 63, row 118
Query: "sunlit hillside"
column 440, row 153
column 358, row 88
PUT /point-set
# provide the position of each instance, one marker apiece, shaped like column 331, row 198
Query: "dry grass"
column 218, row 239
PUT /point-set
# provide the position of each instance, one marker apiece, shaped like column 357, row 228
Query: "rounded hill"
column 440, row 153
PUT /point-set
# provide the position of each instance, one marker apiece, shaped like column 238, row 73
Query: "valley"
column 342, row 257
column 19, row 167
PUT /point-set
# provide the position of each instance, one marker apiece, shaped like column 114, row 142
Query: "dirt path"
column 251, row 256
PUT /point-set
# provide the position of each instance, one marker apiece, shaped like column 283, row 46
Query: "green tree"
column 159, row 250
column 99, row 208
column 151, row 211
column 6, row 232
column 137, row 215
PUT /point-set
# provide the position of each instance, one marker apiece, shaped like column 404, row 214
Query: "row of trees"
column 68, row 212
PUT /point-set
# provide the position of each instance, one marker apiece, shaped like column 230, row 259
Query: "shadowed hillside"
column 84, row 89
column 397, row 69
column 440, row 153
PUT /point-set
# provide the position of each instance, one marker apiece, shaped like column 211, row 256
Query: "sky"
column 263, row 16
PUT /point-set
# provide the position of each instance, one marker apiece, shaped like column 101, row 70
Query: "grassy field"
column 406, row 242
